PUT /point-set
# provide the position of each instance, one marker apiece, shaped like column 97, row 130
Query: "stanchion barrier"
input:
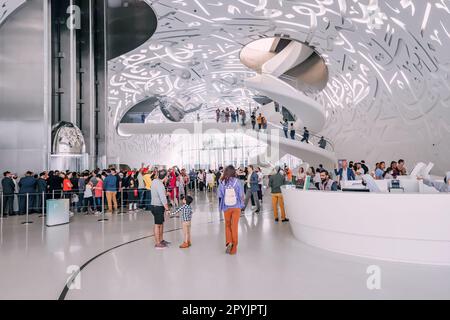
column 132, row 205
column 2, row 207
column 43, row 206
column 53, row 194
column 121, row 201
column 103, row 219
column 27, row 221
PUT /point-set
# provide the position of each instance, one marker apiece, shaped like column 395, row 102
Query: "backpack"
column 230, row 198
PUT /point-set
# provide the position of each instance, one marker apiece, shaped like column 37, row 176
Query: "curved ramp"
column 311, row 113
column 278, row 145
column 126, row 129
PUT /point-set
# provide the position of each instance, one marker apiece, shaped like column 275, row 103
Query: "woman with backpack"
column 231, row 199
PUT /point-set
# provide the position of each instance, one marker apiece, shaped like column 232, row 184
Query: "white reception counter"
column 406, row 227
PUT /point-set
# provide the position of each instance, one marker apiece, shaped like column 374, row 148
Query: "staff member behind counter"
column 439, row 186
column 326, row 183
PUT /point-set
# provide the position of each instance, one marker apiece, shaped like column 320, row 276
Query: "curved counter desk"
column 402, row 227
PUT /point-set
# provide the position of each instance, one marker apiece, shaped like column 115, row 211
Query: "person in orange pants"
column 276, row 181
column 232, row 217
column 277, row 199
column 231, row 202
column 111, row 200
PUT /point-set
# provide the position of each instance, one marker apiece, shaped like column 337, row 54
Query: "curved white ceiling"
column 389, row 90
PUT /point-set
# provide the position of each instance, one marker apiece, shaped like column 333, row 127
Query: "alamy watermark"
column 373, row 282
column 74, row 279
column 73, row 22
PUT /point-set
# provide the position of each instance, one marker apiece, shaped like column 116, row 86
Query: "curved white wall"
column 411, row 228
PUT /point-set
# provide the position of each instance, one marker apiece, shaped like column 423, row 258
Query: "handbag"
column 74, row 198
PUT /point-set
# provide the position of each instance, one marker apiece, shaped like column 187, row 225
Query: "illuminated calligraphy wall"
column 388, row 94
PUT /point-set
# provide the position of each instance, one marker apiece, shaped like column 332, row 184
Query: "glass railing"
column 313, row 139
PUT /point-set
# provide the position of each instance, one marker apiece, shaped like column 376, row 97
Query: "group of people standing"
column 231, row 115
column 356, row 170
column 259, row 122
column 85, row 190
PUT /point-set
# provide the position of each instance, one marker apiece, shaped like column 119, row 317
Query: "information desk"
column 406, row 227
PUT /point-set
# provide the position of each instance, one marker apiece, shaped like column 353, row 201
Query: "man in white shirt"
column 345, row 173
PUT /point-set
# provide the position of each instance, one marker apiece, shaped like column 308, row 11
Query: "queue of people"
column 162, row 192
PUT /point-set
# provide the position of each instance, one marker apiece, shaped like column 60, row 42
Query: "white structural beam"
column 294, row 54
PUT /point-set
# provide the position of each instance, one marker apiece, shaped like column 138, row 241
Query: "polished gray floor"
column 36, row 261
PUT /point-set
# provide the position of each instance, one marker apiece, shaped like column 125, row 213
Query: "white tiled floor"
column 270, row 263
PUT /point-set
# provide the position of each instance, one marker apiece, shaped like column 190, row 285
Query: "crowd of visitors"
column 168, row 192
column 323, row 179
column 356, row 170
column 115, row 191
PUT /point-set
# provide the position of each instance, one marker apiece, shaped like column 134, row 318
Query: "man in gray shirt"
column 94, row 179
column 159, row 207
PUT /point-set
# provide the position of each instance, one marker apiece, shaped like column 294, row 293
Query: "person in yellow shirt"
column 147, row 192
column 259, row 121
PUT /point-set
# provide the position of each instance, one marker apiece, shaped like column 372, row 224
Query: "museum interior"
column 139, row 138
